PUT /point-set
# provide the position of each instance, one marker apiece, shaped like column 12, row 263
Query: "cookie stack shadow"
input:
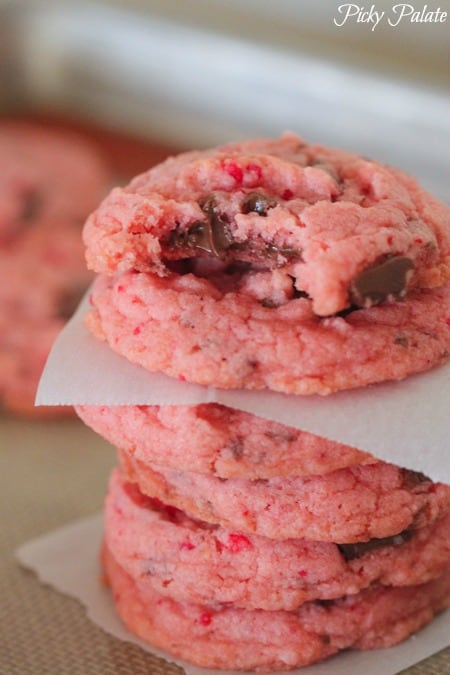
column 233, row 541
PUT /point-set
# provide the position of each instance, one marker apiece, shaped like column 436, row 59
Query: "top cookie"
column 346, row 231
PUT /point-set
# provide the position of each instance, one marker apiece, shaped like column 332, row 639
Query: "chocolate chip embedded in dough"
column 211, row 235
column 411, row 479
column 352, row 551
column 386, row 281
column 208, row 237
column 256, row 202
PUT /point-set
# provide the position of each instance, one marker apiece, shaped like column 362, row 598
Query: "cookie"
column 193, row 561
column 47, row 177
column 349, row 505
column 49, row 183
column 239, row 639
column 193, row 330
column 335, row 226
column 216, row 440
column 273, row 264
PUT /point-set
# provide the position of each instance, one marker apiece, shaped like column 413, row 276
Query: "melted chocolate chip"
column 352, row 551
column 256, row 202
column 385, row 281
column 211, row 235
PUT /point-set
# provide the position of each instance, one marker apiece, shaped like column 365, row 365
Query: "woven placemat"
column 50, row 475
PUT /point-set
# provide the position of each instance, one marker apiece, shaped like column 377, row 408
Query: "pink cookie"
column 47, row 177
column 348, row 505
column 193, row 561
column 330, row 224
column 48, row 184
column 248, row 266
column 219, row 441
column 196, row 330
column 239, row 639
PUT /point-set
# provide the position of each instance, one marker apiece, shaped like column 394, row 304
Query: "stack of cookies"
column 231, row 540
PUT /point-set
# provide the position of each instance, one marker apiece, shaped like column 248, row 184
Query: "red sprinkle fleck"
column 182, row 378
column 188, row 545
column 390, row 240
column 418, row 240
column 303, row 573
column 120, row 288
column 137, row 228
column 287, row 194
column 447, row 321
column 233, row 170
column 238, row 542
column 137, row 330
column 205, row 618
column 254, row 168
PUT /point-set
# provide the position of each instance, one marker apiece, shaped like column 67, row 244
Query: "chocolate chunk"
column 268, row 303
column 272, row 251
column 211, row 235
column 411, row 479
column 32, row 204
column 386, row 281
column 351, row 551
column 256, row 202
column 401, row 340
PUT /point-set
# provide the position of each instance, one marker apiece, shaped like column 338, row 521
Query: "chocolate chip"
column 328, row 168
column 401, row 340
column 31, row 206
column 211, row 235
column 411, row 479
column 256, row 202
column 352, row 551
column 269, row 303
column 236, row 448
column 272, row 251
column 385, row 281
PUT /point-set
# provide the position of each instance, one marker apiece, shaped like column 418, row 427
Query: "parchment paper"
column 406, row 423
column 68, row 560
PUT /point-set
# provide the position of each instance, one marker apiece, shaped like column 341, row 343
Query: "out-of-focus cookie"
column 49, row 182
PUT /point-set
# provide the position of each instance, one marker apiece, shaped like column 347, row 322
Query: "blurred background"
column 206, row 71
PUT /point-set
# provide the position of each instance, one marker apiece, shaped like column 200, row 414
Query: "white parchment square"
column 68, row 560
column 406, row 423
